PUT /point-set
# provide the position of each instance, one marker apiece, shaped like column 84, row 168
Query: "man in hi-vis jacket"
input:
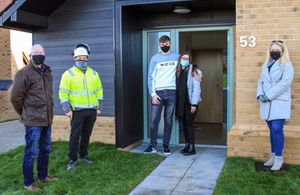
column 80, row 94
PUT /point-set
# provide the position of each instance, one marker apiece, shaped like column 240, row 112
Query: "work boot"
column 278, row 162
column 185, row 149
column 270, row 162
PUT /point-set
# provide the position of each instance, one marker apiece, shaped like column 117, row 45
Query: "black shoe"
column 151, row 149
column 167, row 150
column 86, row 160
column 71, row 164
column 191, row 151
column 185, row 149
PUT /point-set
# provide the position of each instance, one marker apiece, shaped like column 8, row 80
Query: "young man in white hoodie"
column 162, row 87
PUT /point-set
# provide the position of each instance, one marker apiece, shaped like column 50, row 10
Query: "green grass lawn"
column 113, row 171
column 239, row 177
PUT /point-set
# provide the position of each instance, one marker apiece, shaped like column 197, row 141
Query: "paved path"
column 11, row 135
column 188, row 175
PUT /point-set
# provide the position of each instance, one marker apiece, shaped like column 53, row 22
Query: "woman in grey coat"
column 188, row 96
column 274, row 94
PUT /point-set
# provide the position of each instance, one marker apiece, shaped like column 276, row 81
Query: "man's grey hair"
column 33, row 48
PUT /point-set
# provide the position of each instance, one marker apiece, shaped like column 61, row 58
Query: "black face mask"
column 38, row 59
column 275, row 55
column 165, row 48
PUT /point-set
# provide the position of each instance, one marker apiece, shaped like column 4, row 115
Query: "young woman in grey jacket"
column 274, row 94
column 188, row 82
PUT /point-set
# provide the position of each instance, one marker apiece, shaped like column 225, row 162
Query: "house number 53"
column 247, row 41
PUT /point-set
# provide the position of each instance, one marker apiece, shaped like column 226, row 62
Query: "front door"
column 210, row 63
column 210, row 121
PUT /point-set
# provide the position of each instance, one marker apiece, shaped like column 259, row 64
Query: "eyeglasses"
column 277, row 41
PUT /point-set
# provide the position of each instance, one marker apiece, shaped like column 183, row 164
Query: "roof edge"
column 5, row 5
column 9, row 11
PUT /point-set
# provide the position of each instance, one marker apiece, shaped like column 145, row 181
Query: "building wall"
column 104, row 129
column 11, row 60
column 266, row 20
column 6, row 110
column 7, row 70
column 18, row 51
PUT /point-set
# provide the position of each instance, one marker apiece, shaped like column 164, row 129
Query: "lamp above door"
column 181, row 9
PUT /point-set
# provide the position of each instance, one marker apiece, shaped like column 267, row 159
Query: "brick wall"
column 104, row 129
column 7, row 71
column 266, row 20
column 6, row 110
column 5, row 53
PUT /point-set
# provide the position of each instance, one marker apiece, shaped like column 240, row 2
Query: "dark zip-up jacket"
column 32, row 95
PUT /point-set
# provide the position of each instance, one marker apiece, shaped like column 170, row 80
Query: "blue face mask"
column 82, row 65
column 184, row 63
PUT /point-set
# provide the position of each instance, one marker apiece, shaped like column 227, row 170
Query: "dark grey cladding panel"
column 79, row 24
column 90, row 22
column 65, row 16
column 97, row 52
column 64, row 57
column 77, row 33
column 80, row 7
column 69, row 41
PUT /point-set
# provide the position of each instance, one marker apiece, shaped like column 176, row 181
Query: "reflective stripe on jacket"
column 79, row 90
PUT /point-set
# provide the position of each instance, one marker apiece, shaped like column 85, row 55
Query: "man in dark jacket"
column 32, row 99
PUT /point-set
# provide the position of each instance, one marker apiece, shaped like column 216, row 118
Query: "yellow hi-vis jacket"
column 79, row 90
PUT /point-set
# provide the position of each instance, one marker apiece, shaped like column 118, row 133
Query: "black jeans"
column 187, row 125
column 81, row 128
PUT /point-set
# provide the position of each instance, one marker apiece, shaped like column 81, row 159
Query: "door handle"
column 220, row 86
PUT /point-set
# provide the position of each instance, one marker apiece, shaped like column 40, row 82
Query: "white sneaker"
column 277, row 163
column 270, row 162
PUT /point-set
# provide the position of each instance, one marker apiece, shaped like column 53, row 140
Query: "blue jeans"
column 38, row 143
column 276, row 136
column 168, row 99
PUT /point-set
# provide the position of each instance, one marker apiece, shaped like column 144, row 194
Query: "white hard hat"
column 80, row 51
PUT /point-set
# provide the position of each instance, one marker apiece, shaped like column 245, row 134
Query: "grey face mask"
column 82, row 65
